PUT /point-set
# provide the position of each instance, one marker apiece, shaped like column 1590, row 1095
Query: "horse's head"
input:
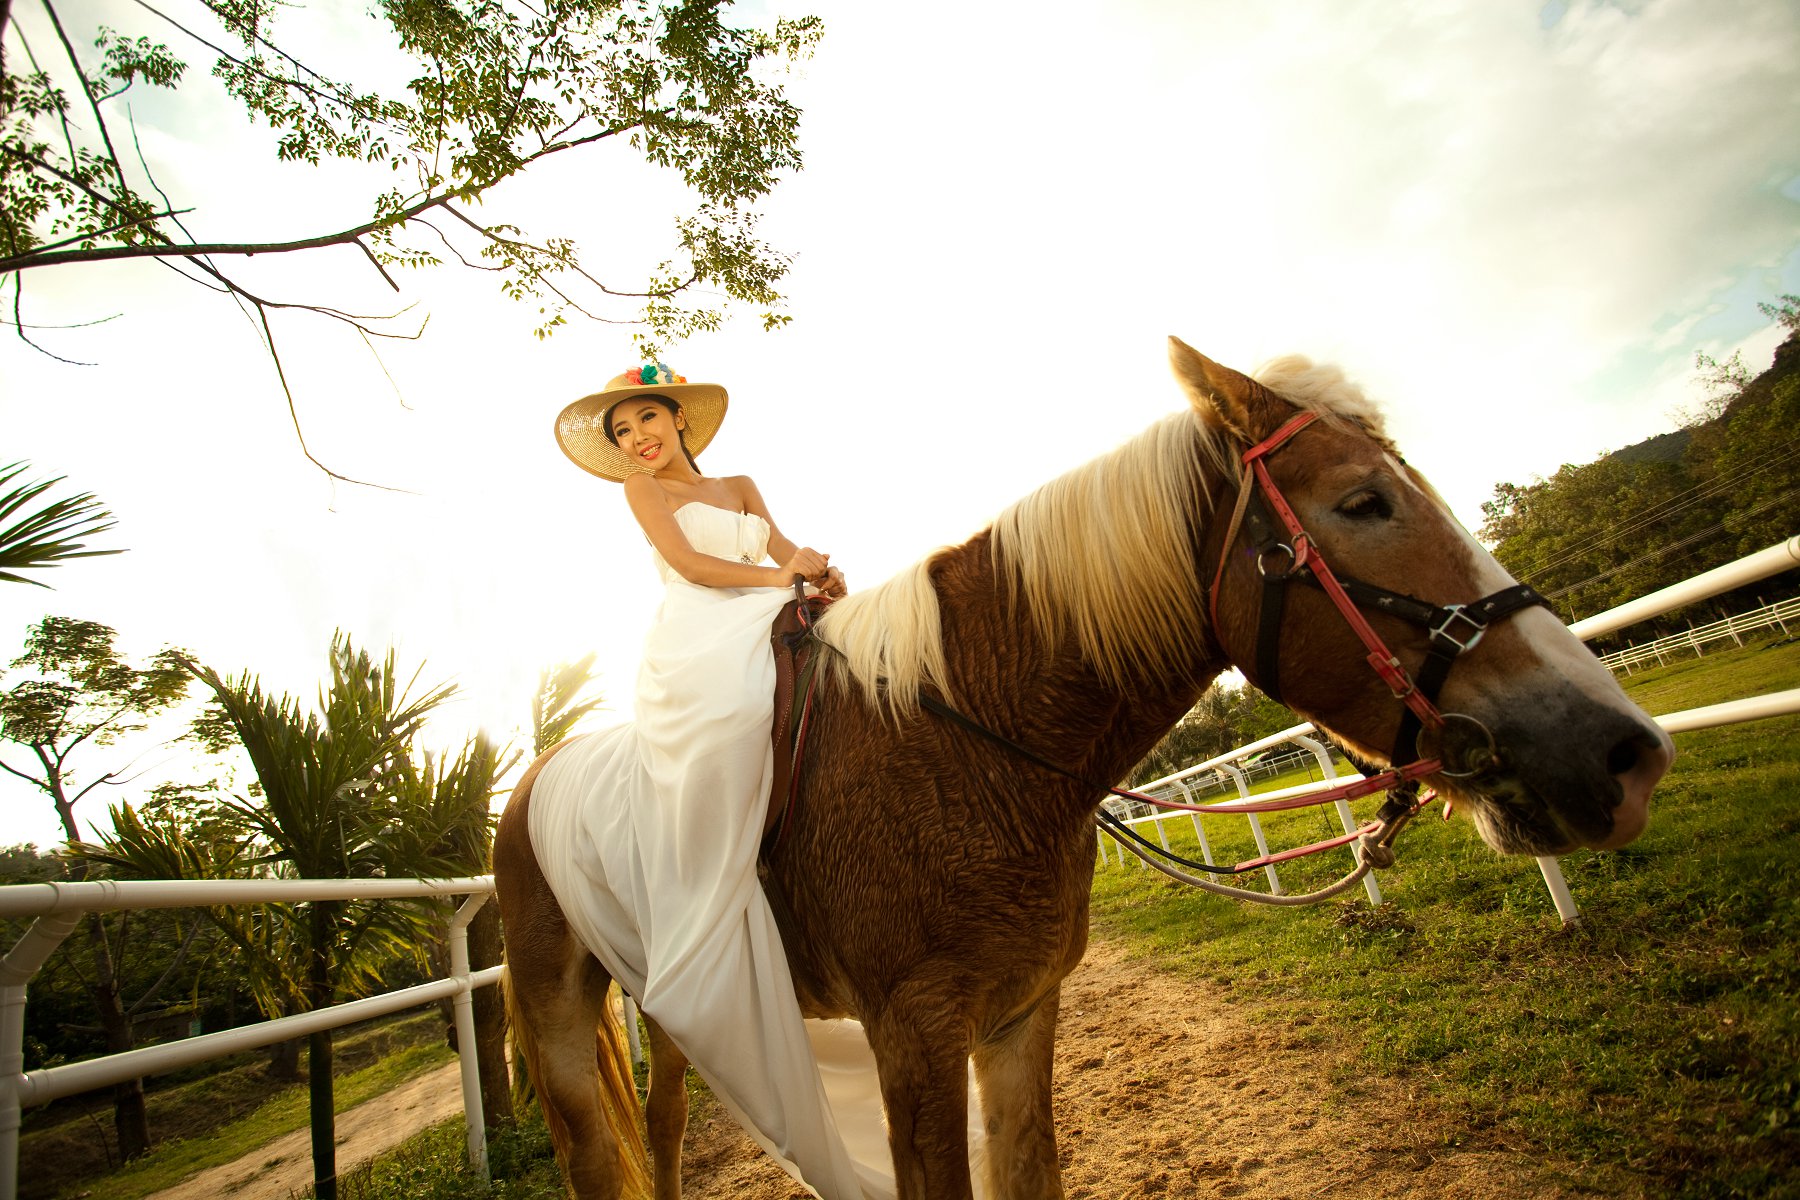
column 1536, row 737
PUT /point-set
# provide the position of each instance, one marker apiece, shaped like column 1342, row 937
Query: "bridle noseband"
column 1454, row 628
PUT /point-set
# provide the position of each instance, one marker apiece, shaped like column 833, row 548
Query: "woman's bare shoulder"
column 744, row 488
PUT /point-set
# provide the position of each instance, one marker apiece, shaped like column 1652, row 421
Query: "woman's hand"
column 806, row 563
column 831, row 583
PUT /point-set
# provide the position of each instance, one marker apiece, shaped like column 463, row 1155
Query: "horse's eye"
column 1367, row 506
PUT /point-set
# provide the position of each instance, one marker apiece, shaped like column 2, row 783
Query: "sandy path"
column 1162, row 1090
column 283, row 1168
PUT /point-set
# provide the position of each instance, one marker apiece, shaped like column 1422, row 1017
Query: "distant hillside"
column 1664, row 447
column 1597, row 534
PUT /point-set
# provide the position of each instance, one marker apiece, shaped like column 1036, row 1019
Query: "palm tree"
column 559, row 705
column 328, row 810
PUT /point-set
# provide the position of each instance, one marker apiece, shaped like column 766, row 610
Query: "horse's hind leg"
column 1013, row 1073
column 666, row 1111
column 563, row 1011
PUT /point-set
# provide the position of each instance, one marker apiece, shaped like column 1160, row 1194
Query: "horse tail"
column 617, row 1093
column 618, row 1096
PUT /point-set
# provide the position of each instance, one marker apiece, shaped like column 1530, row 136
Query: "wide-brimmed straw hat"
column 581, row 427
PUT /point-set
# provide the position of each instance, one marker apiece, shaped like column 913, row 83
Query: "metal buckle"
column 1452, row 614
column 1262, row 560
column 1478, row 759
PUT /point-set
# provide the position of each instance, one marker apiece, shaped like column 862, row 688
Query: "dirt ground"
column 1163, row 1089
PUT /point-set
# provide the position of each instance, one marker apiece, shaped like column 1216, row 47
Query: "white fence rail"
column 1694, row 640
column 1761, row 565
column 58, row 909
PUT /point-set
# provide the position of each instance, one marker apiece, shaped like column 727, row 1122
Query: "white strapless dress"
column 648, row 835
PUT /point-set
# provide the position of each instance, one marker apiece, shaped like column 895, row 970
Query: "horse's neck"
column 1048, row 699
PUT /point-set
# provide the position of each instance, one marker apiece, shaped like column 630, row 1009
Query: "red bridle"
column 1307, row 563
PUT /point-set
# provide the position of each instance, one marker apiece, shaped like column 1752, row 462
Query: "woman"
column 648, row 833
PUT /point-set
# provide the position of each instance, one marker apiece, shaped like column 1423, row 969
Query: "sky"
column 1514, row 223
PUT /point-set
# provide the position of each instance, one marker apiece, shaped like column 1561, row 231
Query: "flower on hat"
column 652, row 374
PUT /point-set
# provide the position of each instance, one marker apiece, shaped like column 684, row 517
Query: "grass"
column 1658, row 1042
column 223, row 1116
column 433, row 1165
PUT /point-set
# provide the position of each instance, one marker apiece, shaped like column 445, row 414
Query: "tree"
column 328, row 809
column 1785, row 312
column 1597, row 534
column 1222, row 719
column 35, row 537
column 79, row 693
column 316, row 821
column 495, row 88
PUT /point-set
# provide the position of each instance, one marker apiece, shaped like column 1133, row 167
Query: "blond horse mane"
column 1130, row 592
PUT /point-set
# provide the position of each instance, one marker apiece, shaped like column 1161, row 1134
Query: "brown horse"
column 936, row 886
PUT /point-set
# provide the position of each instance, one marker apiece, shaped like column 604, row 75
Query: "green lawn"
column 1659, row 1040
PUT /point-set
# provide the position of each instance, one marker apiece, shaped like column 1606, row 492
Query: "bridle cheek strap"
column 1304, row 558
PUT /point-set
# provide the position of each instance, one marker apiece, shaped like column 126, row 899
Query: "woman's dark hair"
column 674, row 408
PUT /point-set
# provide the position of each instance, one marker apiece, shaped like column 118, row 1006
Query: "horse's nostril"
column 1622, row 757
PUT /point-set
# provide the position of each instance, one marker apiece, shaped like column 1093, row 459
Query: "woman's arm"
column 650, row 505
column 829, row 579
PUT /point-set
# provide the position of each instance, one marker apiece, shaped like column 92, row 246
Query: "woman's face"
column 648, row 432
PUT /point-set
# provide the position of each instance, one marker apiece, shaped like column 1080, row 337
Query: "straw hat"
column 581, row 427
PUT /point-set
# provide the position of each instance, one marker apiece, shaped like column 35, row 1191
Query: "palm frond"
column 36, row 537
column 559, row 705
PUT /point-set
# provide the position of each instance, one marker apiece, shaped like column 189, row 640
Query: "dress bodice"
column 720, row 532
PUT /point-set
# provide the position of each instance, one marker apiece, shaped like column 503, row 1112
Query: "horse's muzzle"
column 1563, row 780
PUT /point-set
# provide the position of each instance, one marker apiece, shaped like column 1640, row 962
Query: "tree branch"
column 347, row 100
column 294, row 412
column 87, row 93
column 34, row 257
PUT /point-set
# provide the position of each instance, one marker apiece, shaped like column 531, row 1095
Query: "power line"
column 1665, row 551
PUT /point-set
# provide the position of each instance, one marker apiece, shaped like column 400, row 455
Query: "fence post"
column 628, row 1009
column 16, row 969
column 1346, row 818
column 464, row 1013
column 1262, row 843
column 1559, row 889
column 1199, row 830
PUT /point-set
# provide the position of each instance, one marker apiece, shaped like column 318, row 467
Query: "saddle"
column 796, row 651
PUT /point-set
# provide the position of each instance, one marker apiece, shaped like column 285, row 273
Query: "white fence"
column 1761, row 565
column 58, row 909
column 1695, row 640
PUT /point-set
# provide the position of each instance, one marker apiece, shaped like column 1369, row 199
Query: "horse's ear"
column 1230, row 402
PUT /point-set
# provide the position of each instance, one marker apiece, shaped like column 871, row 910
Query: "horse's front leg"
column 922, row 1052
column 1013, row 1071
column 666, row 1112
